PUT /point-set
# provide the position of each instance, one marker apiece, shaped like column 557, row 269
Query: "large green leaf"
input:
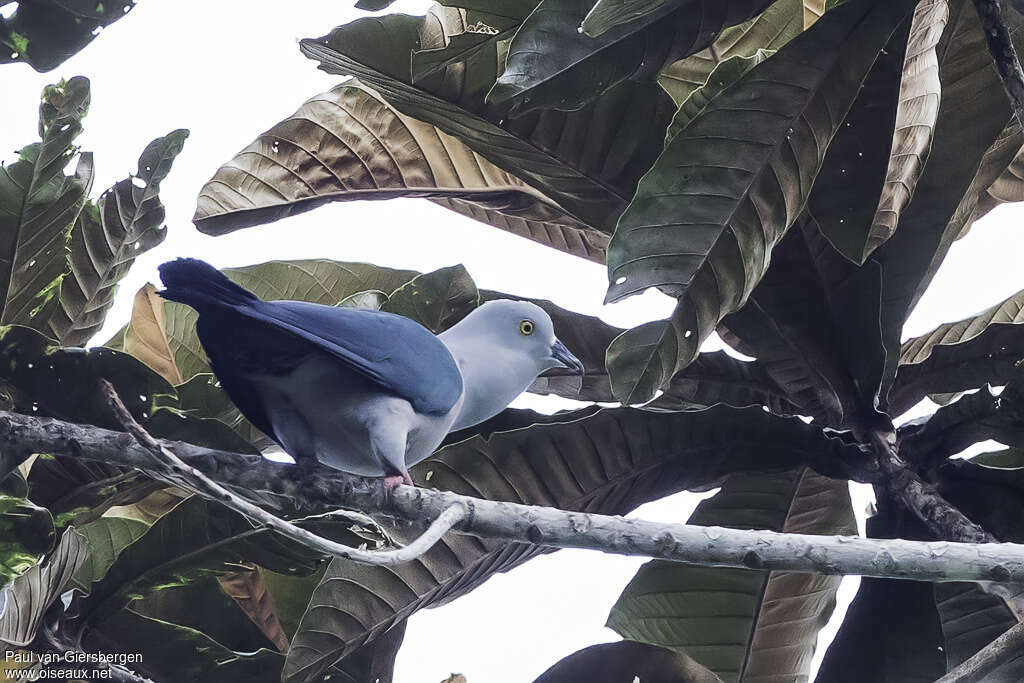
column 107, row 238
column 876, row 157
column 348, row 144
column 24, row 601
column 726, row 188
column 610, row 462
column 770, row 30
column 436, row 300
column 552, row 64
column 743, row 625
column 587, row 161
column 627, row 662
column 107, row 538
column 39, row 205
column 962, row 355
column 44, row 33
column 199, row 539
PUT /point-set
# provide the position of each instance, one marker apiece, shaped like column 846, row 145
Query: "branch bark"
column 903, row 484
column 321, row 489
column 1001, row 650
column 1003, row 53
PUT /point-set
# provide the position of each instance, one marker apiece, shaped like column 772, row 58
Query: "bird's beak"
column 564, row 356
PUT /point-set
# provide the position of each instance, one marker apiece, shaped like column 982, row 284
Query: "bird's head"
column 524, row 329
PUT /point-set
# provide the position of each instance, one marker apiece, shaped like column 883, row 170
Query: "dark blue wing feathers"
column 399, row 354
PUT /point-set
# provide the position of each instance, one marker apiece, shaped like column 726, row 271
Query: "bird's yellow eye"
column 527, row 327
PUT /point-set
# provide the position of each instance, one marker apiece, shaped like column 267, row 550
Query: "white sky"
column 230, row 69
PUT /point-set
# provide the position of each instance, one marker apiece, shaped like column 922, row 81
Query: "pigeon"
column 363, row 391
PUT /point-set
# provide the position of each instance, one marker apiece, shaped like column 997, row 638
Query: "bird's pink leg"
column 393, row 480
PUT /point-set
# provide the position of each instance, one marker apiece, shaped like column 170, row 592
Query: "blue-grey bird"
column 367, row 392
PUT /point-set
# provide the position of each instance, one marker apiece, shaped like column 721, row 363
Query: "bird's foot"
column 391, row 481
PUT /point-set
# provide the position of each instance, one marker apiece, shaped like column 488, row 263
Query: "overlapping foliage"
column 792, row 176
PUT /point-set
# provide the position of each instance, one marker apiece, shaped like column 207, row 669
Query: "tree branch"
column 322, row 489
column 986, row 660
column 1003, row 54
column 903, row 484
column 195, row 481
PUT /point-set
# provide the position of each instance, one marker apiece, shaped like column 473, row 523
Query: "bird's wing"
column 399, row 354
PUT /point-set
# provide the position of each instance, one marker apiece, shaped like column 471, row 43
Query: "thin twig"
column 1003, row 54
column 325, row 489
column 195, row 481
column 986, row 660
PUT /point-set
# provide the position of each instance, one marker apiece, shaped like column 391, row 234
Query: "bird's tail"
column 200, row 285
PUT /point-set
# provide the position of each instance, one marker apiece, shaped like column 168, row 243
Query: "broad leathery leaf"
column 1007, row 458
column 608, row 462
column 588, row 161
column 107, row 238
column 972, row 115
column 607, row 14
column 107, row 538
column 1009, row 185
column 39, row 205
column 962, row 355
column 436, row 300
column 725, row 190
column 319, row 281
column 952, row 428
column 875, row 160
column 348, row 144
column 152, row 507
column 626, row 662
column 741, row 624
column 814, row 324
column 248, row 589
column 198, row 539
column 876, row 157
column 769, row 30
column 26, row 598
column 722, row 77
column 476, row 32
column 551, row 64
column 146, row 335
column 173, row 652
column 44, row 33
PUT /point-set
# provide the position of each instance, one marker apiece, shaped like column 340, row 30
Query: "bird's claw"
column 391, row 481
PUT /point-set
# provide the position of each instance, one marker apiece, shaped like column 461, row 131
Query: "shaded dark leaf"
column 436, row 300
column 962, row 355
column 552, row 64
column 737, row 193
column 627, row 662
column 44, row 33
